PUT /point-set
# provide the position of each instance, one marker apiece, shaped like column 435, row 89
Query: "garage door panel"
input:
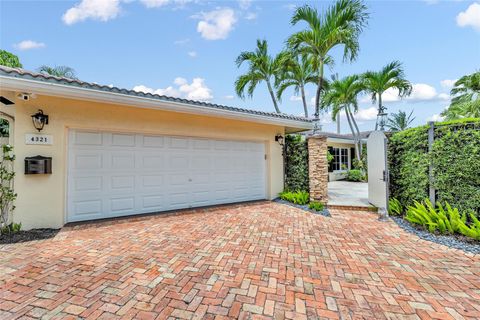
column 117, row 174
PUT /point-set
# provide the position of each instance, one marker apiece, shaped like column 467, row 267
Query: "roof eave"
column 66, row 91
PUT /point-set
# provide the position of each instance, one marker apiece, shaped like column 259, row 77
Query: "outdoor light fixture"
column 382, row 117
column 279, row 139
column 39, row 120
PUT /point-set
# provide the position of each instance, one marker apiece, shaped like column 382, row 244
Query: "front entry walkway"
column 346, row 193
column 253, row 261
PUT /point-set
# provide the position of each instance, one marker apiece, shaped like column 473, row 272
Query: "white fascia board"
column 340, row 140
column 72, row 92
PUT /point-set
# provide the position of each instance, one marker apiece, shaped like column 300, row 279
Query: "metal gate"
column 377, row 170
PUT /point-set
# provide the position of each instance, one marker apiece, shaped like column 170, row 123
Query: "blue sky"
column 187, row 48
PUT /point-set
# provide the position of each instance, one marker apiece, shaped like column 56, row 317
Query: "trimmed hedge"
column 455, row 158
column 296, row 163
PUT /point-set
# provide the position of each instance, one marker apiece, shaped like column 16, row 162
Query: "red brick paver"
column 253, row 261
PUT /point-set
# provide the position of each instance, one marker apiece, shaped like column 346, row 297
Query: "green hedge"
column 296, row 163
column 455, row 158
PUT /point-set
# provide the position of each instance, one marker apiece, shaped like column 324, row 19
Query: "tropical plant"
column 298, row 197
column 4, row 127
column 355, row 175
column 262, row 67
column 296, row 163
column 395, row 208
column 7, row 194
column 391, row 76
column 8, row 59
column 59, row 71
column 298, row 71
column 443, row 219
column 342, row 96
column 340, row 25
column 315, row 205
column 465, row 98
column 400, row 121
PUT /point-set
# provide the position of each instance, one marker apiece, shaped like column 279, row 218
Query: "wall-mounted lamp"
column 39, row 120
column 279, row 139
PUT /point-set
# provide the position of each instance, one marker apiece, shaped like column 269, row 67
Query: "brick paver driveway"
column 246, row 261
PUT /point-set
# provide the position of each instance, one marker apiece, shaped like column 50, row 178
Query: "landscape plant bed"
column 30, row 235
column 453, row 241
column 304, row 207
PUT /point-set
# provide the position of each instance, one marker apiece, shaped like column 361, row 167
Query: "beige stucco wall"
column 41, row 199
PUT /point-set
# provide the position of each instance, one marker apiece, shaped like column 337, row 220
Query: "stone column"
column 318, row 168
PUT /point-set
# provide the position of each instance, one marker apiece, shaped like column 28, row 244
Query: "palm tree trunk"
column 270, row 89
column 379, row 108
column 305, row 109
column 356, row 135
column 319, row 91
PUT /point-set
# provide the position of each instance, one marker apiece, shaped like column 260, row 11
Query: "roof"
column 338, row 137
column 7, row 73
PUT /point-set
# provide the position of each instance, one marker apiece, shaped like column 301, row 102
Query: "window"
column 340, row 159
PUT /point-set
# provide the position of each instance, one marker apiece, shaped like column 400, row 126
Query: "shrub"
column 315, row 205
column 455, row 158
column 355, row 175
column 395, row 208
column 7, row 194
column 443, row 220
column 296, row 163
column 11, row 228
column 298, row 197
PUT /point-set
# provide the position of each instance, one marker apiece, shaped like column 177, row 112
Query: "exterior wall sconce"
column 39, row 120
column 279, row 139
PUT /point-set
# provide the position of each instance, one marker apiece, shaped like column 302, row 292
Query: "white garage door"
column 115, row 174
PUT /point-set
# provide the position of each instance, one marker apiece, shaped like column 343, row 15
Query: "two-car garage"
column 113, row 174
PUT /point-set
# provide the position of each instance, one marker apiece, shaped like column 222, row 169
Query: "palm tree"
column 341, row 24
column 391, row 76
column 465, row 98
column 342, row 96
column 399, row 121
column 297, row 73
column 262, row 67
column 59, row 71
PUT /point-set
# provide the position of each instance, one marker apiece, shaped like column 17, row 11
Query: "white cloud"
column 470, row 17
column 448, row 83
column 154, row 3
column 28, row 45
column 436, row 118
column 102, row 10
column 251, row 16
column 244, row 4
column 298, row 98
column 192, row 54
column 229, row 97
column 196, row 90
column 216, row 24
column 366, row 114
column 420, row 92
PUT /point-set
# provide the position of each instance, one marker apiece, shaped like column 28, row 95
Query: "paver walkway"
column 249, row 261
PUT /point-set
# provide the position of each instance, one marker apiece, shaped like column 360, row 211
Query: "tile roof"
column 26, row 74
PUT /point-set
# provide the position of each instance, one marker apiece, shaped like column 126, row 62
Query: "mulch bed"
column 30, row 235
column 305, row 207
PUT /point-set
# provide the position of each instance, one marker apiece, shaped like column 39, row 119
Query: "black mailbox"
column 38, row 165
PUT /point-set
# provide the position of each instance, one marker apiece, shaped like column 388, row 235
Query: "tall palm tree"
column 340, row 24
column 299, row 70
column 391, row 76
column 465, row 98
column 342, row 96
column 400, row 121
column 59, row 71
column 262, row 67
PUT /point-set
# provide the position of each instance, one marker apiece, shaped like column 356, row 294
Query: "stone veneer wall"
column 318, row 168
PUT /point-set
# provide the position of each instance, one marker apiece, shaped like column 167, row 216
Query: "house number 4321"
column 31, row 138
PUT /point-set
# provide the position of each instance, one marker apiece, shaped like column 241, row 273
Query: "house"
column 110, row 152
column 342, row 148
